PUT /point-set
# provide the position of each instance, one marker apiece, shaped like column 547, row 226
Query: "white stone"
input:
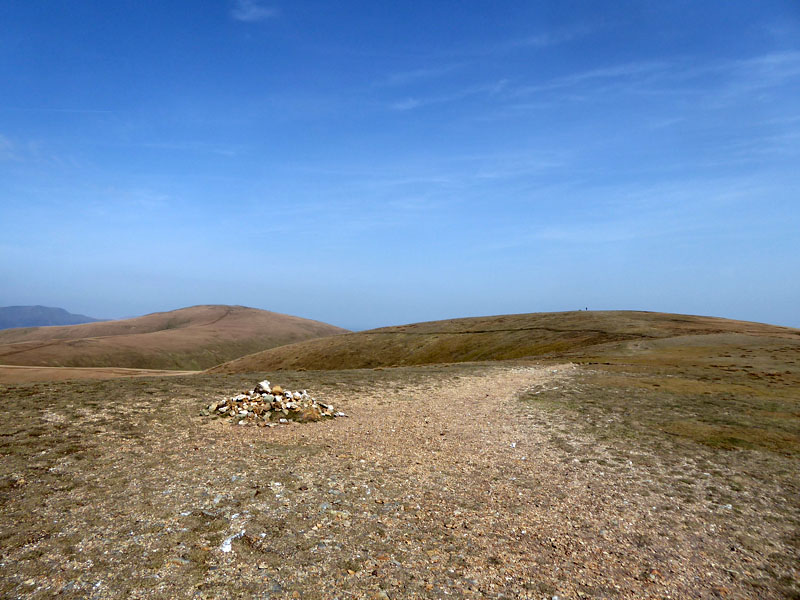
column 226, row 544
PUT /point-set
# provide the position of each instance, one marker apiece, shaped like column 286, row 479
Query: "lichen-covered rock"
column 308, row 414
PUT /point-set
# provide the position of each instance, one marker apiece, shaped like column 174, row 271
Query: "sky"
column 370, row 163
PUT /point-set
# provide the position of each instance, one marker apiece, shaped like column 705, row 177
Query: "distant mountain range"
column 39, row 316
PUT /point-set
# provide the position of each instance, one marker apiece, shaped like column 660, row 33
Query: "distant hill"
column 39, row 316
column 504, row 337
column 188, row 339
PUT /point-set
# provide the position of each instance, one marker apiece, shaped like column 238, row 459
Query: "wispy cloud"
column 636, row 71
column 412, row 103
column 468, row 57
column 694, row 210
column 665, row 122
column 51, row 109
column 549, row 38
column 250, row 11
column 580, row 86
column 521, row 168
column 766, row 71
column 194, row 147
column 417, row 75
column 129, row 203
column 36, row 152
column 712, row 85
column 6, row 148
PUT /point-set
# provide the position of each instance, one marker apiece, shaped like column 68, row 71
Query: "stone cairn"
column 267, row 406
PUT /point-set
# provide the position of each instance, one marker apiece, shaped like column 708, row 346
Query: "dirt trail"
column 438, row 485
column 28, row 374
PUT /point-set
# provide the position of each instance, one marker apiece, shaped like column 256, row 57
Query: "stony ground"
column 443, row 482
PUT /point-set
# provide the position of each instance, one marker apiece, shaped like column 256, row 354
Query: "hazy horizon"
column 364, row 164
column 123, row 317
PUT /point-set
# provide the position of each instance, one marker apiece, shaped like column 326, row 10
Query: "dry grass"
column 493, row 338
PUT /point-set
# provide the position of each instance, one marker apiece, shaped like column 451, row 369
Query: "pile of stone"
column 267, row 406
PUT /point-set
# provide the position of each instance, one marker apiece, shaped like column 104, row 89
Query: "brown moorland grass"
column 187, row 339
column 727, row 391
column 501, row 337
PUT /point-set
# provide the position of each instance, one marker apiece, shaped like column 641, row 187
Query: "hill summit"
column 191, row 338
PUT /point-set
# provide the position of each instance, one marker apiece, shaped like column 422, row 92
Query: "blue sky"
column 369, row 163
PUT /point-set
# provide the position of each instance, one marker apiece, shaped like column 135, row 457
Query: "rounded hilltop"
column 195, row 337
column 501, row 337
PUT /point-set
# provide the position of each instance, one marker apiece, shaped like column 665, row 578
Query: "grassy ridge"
column 492, row 338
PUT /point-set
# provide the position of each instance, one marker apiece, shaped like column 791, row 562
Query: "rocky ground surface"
column 443, row 483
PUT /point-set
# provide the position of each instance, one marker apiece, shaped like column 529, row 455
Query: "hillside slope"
column 494, row 338
column 188, row 338
column 39, row 316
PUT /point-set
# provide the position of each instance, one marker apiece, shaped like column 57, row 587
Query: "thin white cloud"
column 407, row 104
column 768, row 71
column 623, row 72
column 731, row 79
column 549, row 38
column 635, row 69
column 697, row 209
column 487, row 89
column 192, row 146
column 665, row 122
column 130, row 203
column 56, row 110
column 523, row 168
column 540, row 40
column 250, row 11
column 6, row 148
column 415, row 75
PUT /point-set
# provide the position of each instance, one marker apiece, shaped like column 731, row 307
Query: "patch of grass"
column 728, row 437
column 689, row 390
